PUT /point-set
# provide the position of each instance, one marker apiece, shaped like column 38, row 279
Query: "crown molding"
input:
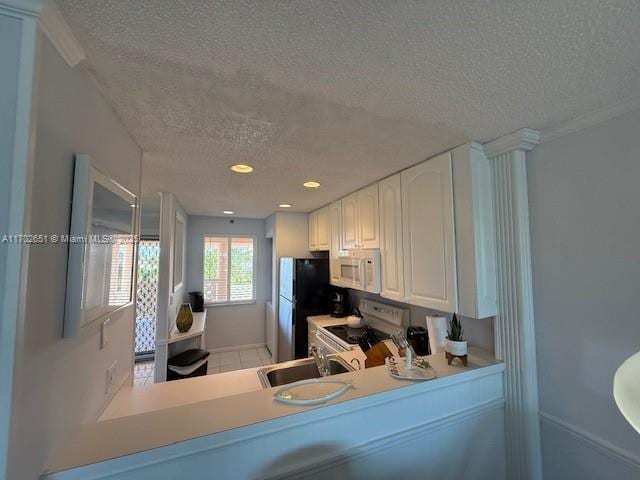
column 590, row 119
column 58, row 31
column 21, row 8
column 524, row 139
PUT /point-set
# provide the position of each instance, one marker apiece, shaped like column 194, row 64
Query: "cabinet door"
column 350, row 222
column 323, row 228
column 368, row 219
column 313, row 231
column 428, row 234
column 391, row 238
column 335, row 223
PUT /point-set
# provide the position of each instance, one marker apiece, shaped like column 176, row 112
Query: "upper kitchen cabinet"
column 392, row 285
column 319, row 229
column 368, row 217
column 313, row 231
column 448, row 233
column 335, row 244
column 475, row 232
column 428, row 234
column 350, row 222
column 323, row 229
column 360, row 219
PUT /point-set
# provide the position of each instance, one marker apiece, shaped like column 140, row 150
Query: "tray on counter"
column 396, row 367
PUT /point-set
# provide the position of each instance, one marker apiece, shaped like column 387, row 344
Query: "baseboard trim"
column 237, row 347
column 383, row 442
column 593, row 441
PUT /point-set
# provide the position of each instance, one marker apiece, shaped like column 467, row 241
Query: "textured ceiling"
column 342, row 92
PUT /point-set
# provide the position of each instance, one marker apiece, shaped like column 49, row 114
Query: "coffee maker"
column 339, row 303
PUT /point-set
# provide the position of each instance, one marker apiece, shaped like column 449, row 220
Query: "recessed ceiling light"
column 228, row 212
column 285, row 205
column 311, row 184
column 241, row 168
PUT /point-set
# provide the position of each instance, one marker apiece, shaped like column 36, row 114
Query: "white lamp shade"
column 626, row 390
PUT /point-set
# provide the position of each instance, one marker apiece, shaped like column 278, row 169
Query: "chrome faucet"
column 321, row 360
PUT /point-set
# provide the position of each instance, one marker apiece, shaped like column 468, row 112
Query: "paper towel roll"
column 437, row 328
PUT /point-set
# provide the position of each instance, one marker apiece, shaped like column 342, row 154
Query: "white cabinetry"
column 391, row 238
column 448, row 237
column 360, row 219
column 323, row 229
column 319, row 229
column 368, row 218
column 475, row 232
column 350, row 222
column 313, row 231
column 335, row 227
column 428, row 234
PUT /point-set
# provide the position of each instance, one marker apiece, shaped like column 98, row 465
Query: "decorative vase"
column 455, row 348
column 184, row 320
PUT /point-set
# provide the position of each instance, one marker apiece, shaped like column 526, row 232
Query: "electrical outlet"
column 112, row 373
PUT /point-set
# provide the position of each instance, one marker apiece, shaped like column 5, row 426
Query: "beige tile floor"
column 218, row 362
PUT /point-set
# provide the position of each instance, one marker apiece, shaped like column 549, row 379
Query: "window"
column 229, row 269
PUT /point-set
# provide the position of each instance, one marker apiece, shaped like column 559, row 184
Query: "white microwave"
column 359, row 269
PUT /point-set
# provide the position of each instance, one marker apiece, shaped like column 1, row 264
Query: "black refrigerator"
column 304, row 292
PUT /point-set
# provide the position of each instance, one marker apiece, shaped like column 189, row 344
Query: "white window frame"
column 255, row 269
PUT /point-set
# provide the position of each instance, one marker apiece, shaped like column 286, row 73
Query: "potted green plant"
column 455, row 343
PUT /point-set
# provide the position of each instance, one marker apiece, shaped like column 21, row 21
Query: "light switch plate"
column 104, row 333
column 112, row 373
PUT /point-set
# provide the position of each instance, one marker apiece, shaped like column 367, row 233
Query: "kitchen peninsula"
column 206, row 414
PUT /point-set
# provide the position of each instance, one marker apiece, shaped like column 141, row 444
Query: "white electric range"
column 383, row 319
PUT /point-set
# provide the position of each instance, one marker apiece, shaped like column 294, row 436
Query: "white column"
column 514, row 329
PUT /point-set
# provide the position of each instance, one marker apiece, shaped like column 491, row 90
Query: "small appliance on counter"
column 197, row 301
column 355, row 319
column 339, row 300
column 418, row 338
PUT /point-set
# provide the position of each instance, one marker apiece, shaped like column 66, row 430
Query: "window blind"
column 228, row 269
column 121, row 270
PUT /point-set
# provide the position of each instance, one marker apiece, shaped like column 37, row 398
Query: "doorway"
column 147, row 298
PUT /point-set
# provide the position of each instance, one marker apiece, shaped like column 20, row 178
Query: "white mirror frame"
column 178, row 252
column 85, row 175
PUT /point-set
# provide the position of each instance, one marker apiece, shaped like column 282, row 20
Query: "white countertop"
column 153, row 416
column 160, row 396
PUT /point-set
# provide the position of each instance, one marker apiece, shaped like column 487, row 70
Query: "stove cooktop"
column 352, row 335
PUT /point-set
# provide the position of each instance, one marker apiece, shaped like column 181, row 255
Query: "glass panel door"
column 147, row 296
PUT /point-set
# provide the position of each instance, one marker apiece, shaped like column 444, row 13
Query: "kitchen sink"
column 303, row 369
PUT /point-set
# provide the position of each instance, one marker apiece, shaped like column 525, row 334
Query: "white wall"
column 229, row 326
column 60, row 383
column 584, row 192
column 290, row 238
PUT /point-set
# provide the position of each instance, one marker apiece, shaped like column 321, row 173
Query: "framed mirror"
column 101, row 247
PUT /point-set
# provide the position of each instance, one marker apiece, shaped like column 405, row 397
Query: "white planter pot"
column 456, row 348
